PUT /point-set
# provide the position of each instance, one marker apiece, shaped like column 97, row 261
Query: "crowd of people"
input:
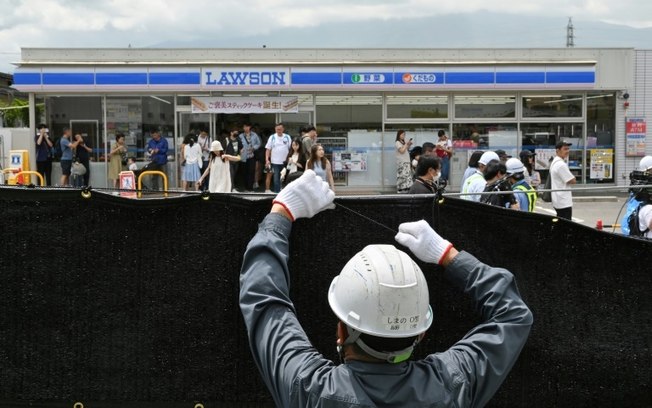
column 492, row 177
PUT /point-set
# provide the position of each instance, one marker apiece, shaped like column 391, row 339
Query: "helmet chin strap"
column 393, row 357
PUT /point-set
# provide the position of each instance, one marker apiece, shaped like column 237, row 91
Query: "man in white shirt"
column 276, row 153
column 562, row 179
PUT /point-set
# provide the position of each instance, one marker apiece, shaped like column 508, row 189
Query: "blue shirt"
column 42, row 150
column 249, row 146
column 66, row 151
column 160, row 157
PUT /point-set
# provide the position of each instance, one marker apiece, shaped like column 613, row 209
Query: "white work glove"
column 423, row 241
column 306, row 196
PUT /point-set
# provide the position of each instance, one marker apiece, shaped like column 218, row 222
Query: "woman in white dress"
column 191, row 163
column 219, row 169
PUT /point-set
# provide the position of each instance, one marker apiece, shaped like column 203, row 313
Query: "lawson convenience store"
column 508, row 99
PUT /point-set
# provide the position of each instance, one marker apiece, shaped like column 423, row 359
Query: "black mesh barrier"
column 134, row 303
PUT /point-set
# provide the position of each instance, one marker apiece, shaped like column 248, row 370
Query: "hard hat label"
column 401, row 323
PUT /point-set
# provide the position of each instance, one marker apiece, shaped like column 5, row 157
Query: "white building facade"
column 484, row 99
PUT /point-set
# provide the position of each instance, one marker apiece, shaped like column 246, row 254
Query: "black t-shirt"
column 422, row 187
column 500, row 200
column 81, row 153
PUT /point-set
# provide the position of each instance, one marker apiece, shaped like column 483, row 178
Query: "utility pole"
column 570, row 36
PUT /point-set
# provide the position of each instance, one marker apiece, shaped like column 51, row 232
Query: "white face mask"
column 414, row 163
column 434, row 179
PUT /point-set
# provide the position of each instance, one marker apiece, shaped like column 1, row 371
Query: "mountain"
column 469, row 30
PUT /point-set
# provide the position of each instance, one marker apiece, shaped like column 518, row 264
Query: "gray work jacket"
column 297, row 375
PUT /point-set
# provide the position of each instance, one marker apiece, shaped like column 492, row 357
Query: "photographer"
column 494, row 174
column 44, row 153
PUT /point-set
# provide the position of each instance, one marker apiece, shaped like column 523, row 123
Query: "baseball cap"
column 562, row 143
column 526, row 153
column 502, row 154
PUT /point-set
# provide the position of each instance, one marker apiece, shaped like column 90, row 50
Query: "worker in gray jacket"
column 381, row 299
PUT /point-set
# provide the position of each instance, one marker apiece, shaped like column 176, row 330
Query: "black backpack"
column 56, row 149
column 633, row 223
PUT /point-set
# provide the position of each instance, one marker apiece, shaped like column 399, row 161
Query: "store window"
column 489, row 106
column 352, row 123
column 600, row 136
column 135, row 117
column 83, row 114
column 552, row 106
column 417, row 107
column 542, row 137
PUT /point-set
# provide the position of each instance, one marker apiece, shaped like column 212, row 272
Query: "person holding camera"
column 494, row 175
column 44, row 153
column 403, row 169
column 117, row 154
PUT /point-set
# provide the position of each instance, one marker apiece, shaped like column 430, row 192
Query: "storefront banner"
column 349, row 161
column 602, row 164
column 635, row 130
column 289, row 104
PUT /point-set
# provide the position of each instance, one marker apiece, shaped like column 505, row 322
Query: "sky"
column 291, row 23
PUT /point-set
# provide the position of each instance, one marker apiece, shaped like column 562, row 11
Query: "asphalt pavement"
column 587, row 210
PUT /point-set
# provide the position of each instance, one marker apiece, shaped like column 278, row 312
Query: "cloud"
column 143, row 23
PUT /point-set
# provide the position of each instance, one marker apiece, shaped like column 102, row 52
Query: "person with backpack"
column 637, row 221
column 66, row 146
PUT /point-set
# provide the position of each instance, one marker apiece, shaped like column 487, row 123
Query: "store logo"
column 246, row 78
column 419, row 78
column 368, row 78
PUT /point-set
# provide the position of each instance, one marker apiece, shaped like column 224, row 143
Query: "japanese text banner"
column 289, row 104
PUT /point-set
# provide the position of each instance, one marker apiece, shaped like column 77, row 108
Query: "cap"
column 487, row 157
column 502, row 154
column 526, row 153
column 562, row 143
column 216, row 146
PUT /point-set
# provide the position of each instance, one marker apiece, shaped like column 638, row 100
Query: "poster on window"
column 349, row 161
column 543, row 158
column 230, row 104
column 635, row 130
column 602, row 164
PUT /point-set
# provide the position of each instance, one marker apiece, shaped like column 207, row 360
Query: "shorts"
column 66, row 165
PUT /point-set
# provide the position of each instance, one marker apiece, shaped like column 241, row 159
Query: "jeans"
column 276, row 177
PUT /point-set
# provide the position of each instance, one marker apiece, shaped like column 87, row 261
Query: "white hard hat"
column 645, row 164
column 487, row 157
column 382, row 292
column 514, row 166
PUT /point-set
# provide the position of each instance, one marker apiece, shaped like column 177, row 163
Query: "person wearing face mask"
column 415, row 154
column 428, row 172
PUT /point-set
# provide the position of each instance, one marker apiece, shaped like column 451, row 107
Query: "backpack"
column 547, row 195
column 633, row 223
column 56, row 149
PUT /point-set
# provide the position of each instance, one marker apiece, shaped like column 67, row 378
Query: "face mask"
column 414, row 163
column 434, row 179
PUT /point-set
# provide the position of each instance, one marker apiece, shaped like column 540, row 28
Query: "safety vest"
column 530, row 194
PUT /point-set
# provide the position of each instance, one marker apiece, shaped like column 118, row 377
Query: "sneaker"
column 268, row 192
column 255, row 186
